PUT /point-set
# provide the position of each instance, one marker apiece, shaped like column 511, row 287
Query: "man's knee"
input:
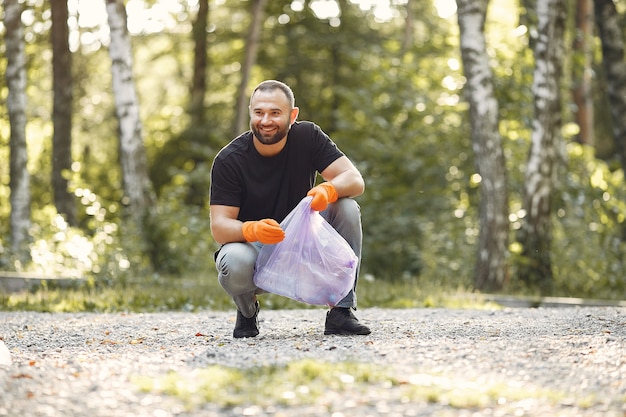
column 344, row 214
column 235, row 264
column 344, row 207
column 350, row 209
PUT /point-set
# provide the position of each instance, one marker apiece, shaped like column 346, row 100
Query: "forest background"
column 387, row 80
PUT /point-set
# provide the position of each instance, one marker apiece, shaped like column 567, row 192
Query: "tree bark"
column 582, row 89
column 139, row 194
column 199, row 83
column 491, row 268
column 62, row 111
column 16, row 105
column 611, row 34
column 407, row 37
column 546, row 142
column 252, row 46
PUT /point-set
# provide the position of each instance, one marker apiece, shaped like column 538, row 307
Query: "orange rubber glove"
column 266, row 231
column 322, row 195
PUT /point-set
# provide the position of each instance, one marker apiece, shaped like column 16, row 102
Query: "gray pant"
column 235, row 261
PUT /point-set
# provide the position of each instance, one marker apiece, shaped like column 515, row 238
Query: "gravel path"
column 510, row 362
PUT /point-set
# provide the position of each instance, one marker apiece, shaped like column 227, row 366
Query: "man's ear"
column 294, row 115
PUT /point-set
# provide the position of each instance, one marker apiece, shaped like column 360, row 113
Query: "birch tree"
column 62, row 111
column 491, row 268
column 16, row 105
column 545, row 148
column 137, row 186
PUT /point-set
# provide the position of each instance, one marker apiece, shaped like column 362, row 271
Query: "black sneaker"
column 247, row 327
column 340, row 320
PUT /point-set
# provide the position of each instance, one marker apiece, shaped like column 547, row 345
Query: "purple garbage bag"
column 313, row 264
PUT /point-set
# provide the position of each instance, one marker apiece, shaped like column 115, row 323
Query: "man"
column 258, row 178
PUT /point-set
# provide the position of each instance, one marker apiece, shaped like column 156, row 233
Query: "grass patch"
column 145, row 294
column 301, row 382
column 310, row 382
column 201, row 291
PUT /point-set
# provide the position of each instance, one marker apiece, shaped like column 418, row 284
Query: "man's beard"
column 269, row 140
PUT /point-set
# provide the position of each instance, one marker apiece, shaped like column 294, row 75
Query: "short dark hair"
column 270, row 85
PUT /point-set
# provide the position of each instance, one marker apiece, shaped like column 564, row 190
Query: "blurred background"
column 385, row 79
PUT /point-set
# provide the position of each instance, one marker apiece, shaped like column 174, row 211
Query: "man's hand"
column 266, row 231
column 322, row 195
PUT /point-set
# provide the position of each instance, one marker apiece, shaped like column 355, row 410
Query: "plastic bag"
column 313, row 264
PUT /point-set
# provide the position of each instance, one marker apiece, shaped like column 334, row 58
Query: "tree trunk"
column 491, row 268
column 582, row 92
column 16, row 104
column 611, row 34
column 198, row 86
column 252, row 46
column 62, row 111
column 407, row 38
column 546, row 142
column 139, row 195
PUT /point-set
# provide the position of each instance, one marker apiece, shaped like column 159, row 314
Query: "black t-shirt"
column 270, row 187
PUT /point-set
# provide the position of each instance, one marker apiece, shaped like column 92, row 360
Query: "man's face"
column 271, row 116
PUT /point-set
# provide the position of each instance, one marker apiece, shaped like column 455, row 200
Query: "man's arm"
column 224, row 224
column 345, row 177
column 226, row 228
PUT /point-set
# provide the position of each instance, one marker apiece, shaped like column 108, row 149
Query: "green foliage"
column 187, row 158
column 110, row 250
column 590, row 228
column 59, row 250
column 179, row 233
